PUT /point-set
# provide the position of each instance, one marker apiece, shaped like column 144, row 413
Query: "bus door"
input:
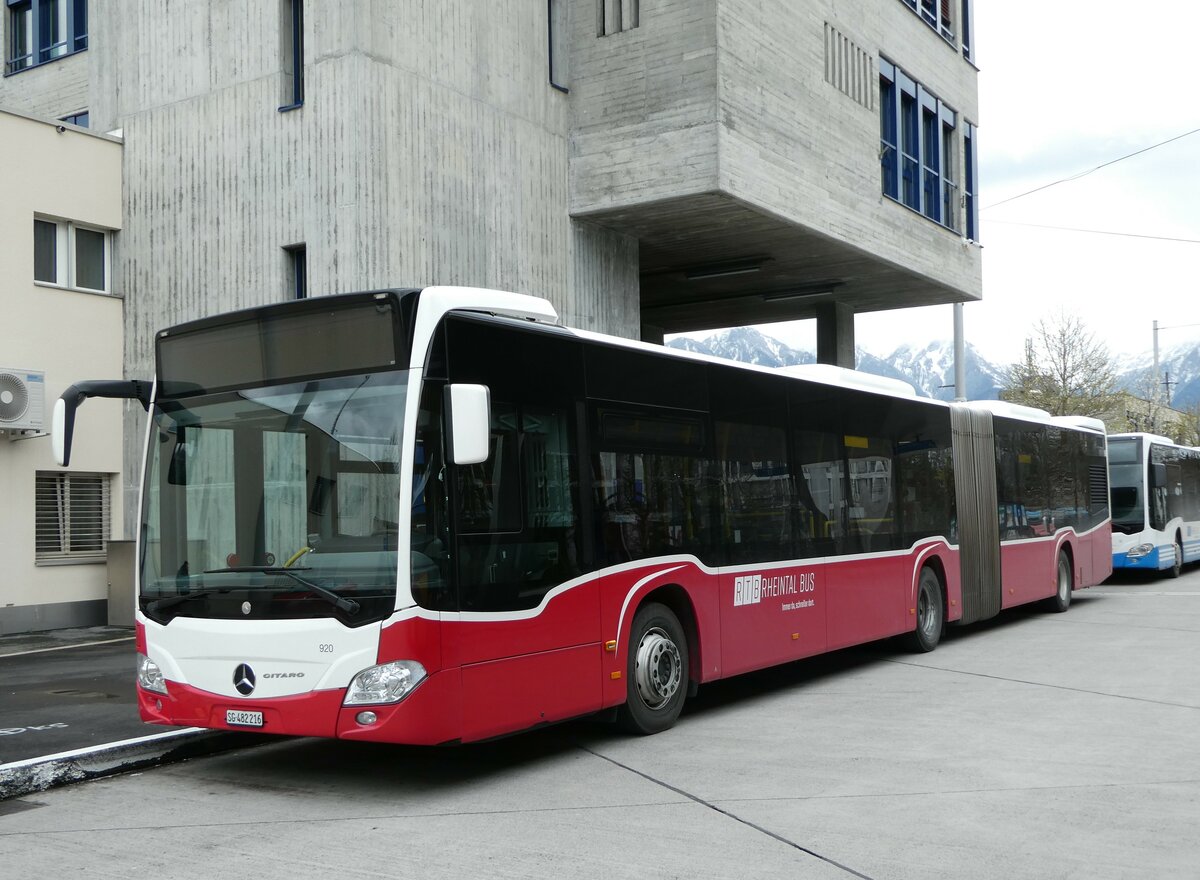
column 527, row 630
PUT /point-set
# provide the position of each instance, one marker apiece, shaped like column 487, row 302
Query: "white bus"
column 1155, row 486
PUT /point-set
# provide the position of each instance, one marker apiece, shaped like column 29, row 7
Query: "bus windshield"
column 1127, row 482
column 275, row 502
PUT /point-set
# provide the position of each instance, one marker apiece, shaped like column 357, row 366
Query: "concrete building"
column 61, row 322
column 648, row 167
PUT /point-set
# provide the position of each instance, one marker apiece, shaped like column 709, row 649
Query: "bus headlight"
column 149, row 676
column 389, row 683
column 1140, row 550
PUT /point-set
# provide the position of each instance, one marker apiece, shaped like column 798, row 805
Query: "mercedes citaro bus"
column 435, row 516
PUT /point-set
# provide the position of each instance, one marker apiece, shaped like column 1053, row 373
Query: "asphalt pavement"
column 1035, row 745
column 68, row 711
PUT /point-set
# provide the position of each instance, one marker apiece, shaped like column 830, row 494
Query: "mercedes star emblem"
column 245, row 608
column 243, row 679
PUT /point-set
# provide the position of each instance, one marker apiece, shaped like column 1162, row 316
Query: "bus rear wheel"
column 1176, row 568
column 931, row 613
column 656, row 672
column 1065, row 583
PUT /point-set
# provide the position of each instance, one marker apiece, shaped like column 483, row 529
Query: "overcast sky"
column 1063, row 88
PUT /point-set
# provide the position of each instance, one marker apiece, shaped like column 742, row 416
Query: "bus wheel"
column 656, row 673
column 1066, row 582
column 1177, row 566
column 930, row 613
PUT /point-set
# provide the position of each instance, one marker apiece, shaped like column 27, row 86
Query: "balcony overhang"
column 710, row 260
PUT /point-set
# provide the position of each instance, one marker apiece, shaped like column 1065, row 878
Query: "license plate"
column 243, row 719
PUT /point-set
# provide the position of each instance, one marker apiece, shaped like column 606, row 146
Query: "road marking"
column 13, row 731
column 99, row 749
column 65, row 647
column 1140, row 595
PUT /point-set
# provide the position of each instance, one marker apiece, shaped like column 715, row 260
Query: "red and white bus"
column 436, row 516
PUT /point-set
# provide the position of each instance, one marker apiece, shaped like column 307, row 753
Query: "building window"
column 888, row 149
column 71, row 517
column 558, row 35
column 949, row 171
column 297, row 271
column 618, row 15
column 969, row 182
column 967, row 26
column 910, row 145
column 80, row 118
column 931, row 149
column 44, row 30
column 938, row 14
column 291, row 52
column 922, row 173
column 69, row 255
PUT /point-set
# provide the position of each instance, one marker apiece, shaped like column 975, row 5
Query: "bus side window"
column 819, row 510
column 517, row 517
column 654, row 488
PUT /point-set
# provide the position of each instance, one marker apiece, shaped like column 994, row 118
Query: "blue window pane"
column 889, row 156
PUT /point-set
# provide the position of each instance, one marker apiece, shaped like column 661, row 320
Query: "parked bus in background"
column 1155, row 486
column 433, row 516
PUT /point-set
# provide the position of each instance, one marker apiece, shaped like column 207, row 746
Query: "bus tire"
column 1176, row 568
column 656, row 671
column 1064, row 584
column 931, row 613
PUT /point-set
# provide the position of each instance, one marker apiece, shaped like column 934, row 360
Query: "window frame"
column 924, row 157
column 66, row 261
column 970, row 183
column 62, row 533
column 27, row 17
column 291, row 53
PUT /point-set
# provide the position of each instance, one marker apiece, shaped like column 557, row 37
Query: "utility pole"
column 960, row 356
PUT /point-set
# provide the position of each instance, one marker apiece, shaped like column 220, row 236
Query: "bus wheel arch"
column 1176, row 568
column 1064, row 583
column 930, row 609
column 659, row 662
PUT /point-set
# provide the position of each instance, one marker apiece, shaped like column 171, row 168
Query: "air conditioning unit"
column 22, row 399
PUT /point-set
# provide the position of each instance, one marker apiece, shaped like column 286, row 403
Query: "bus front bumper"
column 429, row 715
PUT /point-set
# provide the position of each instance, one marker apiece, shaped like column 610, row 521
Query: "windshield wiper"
column 341, row 602
column 171, row 601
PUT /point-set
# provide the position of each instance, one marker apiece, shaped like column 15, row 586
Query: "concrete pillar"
column 653, row 334
column 835, row 334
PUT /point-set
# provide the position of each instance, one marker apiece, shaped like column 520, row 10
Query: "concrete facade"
column 431, row 147
column 66, row 174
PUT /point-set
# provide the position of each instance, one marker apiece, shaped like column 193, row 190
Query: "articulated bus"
column 1155, row 486
column 437, row 516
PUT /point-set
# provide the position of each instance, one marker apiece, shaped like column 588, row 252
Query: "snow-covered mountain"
column 1181, row 365
column 930, row 369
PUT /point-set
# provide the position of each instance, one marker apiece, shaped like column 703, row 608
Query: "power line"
column 1090, row 170
column 1097, row 231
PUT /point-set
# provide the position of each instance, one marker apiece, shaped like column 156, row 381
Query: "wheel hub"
column 658, row 668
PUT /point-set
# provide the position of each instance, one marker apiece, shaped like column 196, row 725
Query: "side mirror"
column 468, row 421
column 62, row 425
column 60, row 433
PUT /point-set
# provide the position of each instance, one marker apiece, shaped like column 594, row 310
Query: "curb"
column 79, row 765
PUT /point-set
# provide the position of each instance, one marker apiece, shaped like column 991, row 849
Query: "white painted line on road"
column 65, row 647
column 92, row 750
column 1140, row 595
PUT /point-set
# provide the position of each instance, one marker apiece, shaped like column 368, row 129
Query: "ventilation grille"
column 848, row 68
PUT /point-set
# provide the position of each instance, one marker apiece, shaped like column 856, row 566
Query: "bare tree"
column 1065, row 371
